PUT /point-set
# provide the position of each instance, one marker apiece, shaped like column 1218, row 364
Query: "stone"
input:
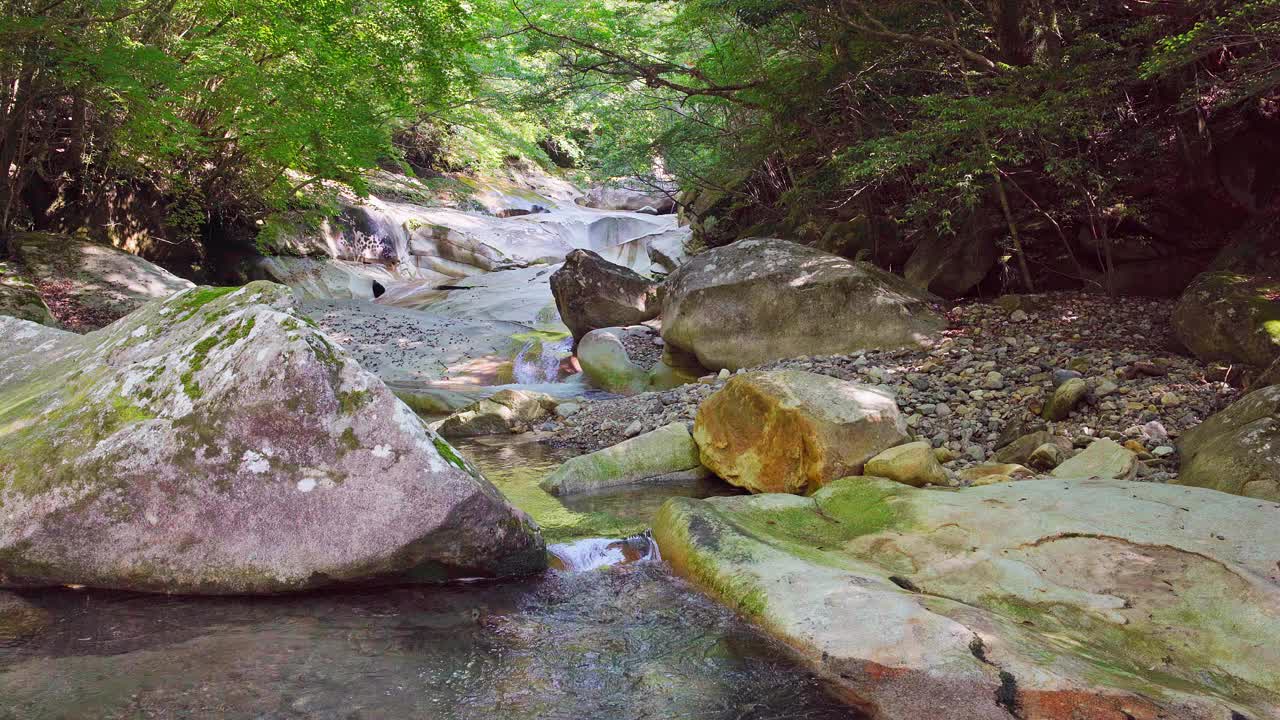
column 1045, row 457
column 607, row 364
column 994, row 479
column 760, row 300
column 567, row 409
column 1019, row 451
column 1009, row 470
column 1018, row 316
column 20, row 619
column 19, row 297
column 215, row 442
column 1238, row 449
column 614, row 197
column 505, row 412
column 1104, row 458
column 1061, row 376
column 1049, row 596
column 1064, row 399
column 794, row 431
column 664, row 455
column 593, row 293
column 911, row 464
column 1229, row 317
column 92, row 284
column 1163, row 451
column 1105, row 388
column 993, row 381
column 944, row 455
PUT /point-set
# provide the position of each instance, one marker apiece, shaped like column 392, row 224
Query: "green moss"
column 189, row 303
column 450, row 455
column 350, row 402
column 349, row 441
column 200, row 355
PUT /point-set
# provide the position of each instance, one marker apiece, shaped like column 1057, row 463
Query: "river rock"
column 20, row 619
column 1045, row 457
column 593, row 293
column 1228, row 317
column 1103, row 458
column 1237, row 450
column 663, row 455
column 20, row 299
column 607, row 364
column 794, row 431
column 215, row 442
column 1048, row 599
column 506, row 411
column 760, row 300
column 1019, row 451
column 93, row 284
column 1065, row 398
column 950, row 265
column 1008, row 470
column 638, row 198
column 911, row 464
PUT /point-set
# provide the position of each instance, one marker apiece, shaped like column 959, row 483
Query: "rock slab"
column 1046, row 599
column 216, row 442
column 668, row 453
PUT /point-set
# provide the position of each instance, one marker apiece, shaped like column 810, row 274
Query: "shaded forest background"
column 1113, row 145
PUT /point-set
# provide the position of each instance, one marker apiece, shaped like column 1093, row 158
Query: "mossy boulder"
column 19, row 297
column 1046, row 599
column 1237, row 450
column 605, row 361
column 761, row 300
column 216, row 442
column 1064, row 399
column 794, row 431
column 1229, row 317
column 663, row 455
column 506, row 411
column 89, row 284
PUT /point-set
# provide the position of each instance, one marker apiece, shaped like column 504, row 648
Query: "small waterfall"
column 539, row 361
column 593, row 553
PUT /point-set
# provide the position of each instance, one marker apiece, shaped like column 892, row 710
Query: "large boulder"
column 607, row 364
column 504, row 412
column 1236, row 450
column 1228, row 317
column 952, row 266
column 91, row 285
column 593, row 293
column 661, row 455
column 1047, row 599
column 761, row 300
column 216, row 442
column 20, row 299
column 635, row 199
column 794, row 431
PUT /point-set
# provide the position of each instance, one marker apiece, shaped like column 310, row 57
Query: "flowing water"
column 613, row 636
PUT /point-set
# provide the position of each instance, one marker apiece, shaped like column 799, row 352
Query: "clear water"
column 620, row 642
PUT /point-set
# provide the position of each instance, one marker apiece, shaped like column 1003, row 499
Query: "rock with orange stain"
column 794, row 431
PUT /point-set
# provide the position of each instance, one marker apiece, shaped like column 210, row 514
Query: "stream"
column 611, row 635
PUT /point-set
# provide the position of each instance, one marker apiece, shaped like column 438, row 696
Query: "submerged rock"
column 506, row 411
column 593, row 293
column 761, row 300
column 20, row 619
column 1227, row 317
column 92, row 284
column 215, row 442
column 665, row 454
column 794, row 431
column 1238, row 449
column 1047, row 599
